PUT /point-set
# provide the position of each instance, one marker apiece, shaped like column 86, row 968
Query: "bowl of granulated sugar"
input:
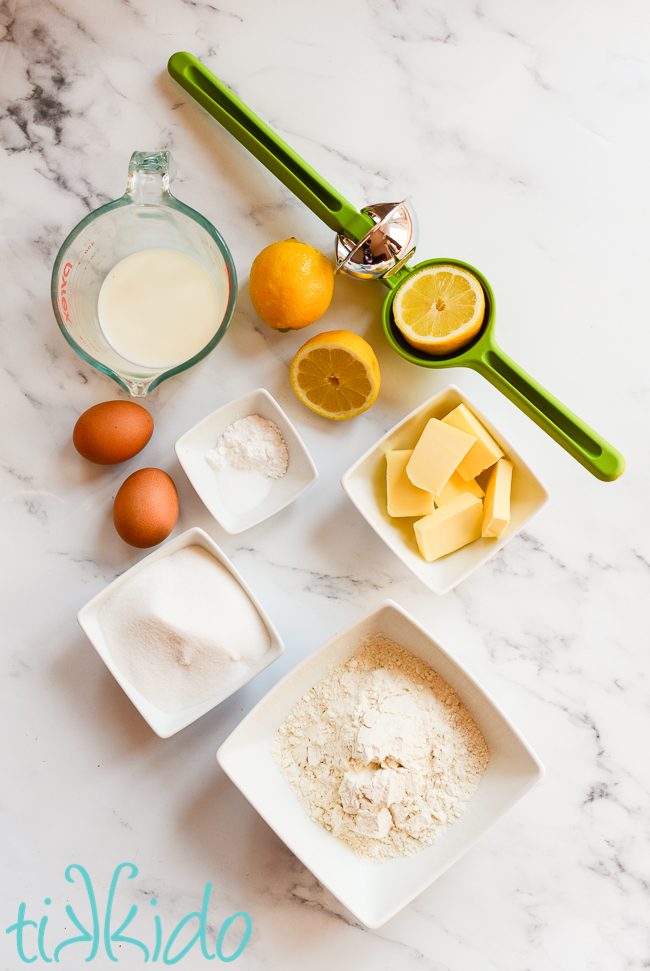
column 379, row 760
column 180, row 631
column 246, row 461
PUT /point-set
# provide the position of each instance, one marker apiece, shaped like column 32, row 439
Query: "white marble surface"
column 521, row 131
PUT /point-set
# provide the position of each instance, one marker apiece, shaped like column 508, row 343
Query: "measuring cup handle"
column 149, row 176
column 262, row 142
column 569, row 431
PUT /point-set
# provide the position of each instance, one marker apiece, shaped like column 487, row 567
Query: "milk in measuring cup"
column 158, row 307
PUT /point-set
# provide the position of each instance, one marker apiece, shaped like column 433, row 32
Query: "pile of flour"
column 381, row 752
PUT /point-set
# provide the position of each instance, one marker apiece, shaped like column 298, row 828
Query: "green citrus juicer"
column 376, row 243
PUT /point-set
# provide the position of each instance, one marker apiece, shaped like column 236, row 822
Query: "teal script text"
column 101, row 936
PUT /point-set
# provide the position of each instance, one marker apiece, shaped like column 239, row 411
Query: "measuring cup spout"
column 138, row 389
column 569, row 431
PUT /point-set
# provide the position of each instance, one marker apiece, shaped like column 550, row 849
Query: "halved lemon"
column 440, row 308
column 336, row 374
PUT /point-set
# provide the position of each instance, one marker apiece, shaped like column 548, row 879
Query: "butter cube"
column 485, row 451
column 456, row 487
column 453, row 525
column 403, row 498
column 436, row 455
column 496, row 514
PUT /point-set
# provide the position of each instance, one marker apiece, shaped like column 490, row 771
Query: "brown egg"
column 112, row 432
column 146, row 508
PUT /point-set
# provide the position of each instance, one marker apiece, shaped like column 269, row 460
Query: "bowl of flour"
column 246, row 461
column 379, row 761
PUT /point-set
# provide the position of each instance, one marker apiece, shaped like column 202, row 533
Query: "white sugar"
column 183, row 629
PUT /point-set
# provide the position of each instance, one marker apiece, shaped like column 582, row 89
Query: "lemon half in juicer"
column 376, row 243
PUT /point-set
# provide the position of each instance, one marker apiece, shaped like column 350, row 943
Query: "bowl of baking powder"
column 246, row 461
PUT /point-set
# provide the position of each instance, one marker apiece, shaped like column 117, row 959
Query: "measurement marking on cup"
column 64, row 283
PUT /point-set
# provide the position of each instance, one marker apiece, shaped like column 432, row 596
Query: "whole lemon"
column 291, row 284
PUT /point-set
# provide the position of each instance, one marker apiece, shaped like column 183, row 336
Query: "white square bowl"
column 376, row 892
column 163, row 723
column 365, row 484
column 192, row 446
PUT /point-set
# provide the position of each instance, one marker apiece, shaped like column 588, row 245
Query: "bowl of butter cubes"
column 444, row 489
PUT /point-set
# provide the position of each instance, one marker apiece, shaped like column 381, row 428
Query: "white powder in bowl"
column 183, row 629
column 382, row 752
column 252, row 443
column 248, row 457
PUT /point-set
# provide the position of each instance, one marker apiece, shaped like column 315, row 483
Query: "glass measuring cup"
column 146, row 217
column 482, row 354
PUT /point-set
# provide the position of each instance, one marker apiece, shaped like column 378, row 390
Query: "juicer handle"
column 569, row 431
column 262, row 142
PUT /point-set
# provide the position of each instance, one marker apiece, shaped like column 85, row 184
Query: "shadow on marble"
column 249, row 337
column 102, row 706
column 223, row 827
column 112, row 551
column 105, row 708
column 73, row 470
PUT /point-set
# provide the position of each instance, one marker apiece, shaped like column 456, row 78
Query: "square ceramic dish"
column 375, row 892
column 365, row 484
column 164, row 723
column 192, row 446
